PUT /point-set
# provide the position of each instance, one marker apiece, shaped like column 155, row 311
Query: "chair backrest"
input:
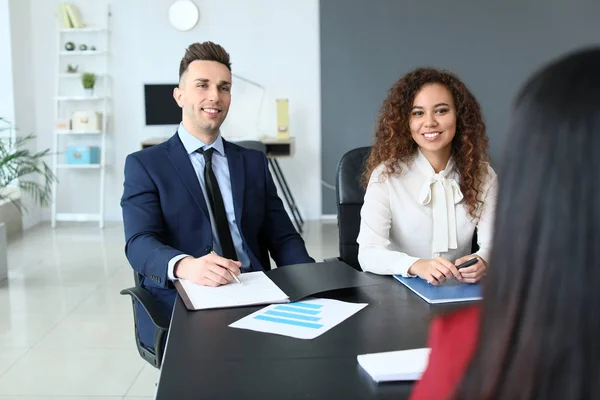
column 350, row 196
column 253, row 145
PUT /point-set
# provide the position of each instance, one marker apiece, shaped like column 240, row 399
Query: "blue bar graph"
column 289, row 322
column 298, row 314
column 306, row 305
column 298, row 310
column 294, row 316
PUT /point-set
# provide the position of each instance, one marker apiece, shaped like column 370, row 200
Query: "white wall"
column 24, row 84
column 8, row 212
column 7, row 110
column 271, row 42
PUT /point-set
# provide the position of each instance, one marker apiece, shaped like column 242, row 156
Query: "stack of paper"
column 256, row 288
column 404, row 365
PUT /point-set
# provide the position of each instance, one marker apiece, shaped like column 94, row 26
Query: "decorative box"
column 86, row 121
column 82, row 155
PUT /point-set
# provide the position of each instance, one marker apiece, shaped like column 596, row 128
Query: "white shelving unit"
column 70, row 97
column 82, row 30
column 80, row 98
column 86, row 53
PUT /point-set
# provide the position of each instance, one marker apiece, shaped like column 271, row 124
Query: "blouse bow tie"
column 443, row 193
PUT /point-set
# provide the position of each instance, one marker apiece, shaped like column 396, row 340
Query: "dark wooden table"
column 206, row 359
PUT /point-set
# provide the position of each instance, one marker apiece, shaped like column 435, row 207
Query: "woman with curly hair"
column 429, row 183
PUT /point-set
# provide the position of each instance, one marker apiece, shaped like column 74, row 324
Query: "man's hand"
column 435, row 271
column 209, row 270
column 474, row 273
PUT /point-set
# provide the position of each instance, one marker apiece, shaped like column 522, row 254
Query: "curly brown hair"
column 394, row 142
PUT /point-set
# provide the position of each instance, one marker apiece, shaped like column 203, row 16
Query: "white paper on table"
column 305, row 319
column 403, row 365
column 256, row 288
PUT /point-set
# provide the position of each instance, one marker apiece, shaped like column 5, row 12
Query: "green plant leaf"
column 19, row 164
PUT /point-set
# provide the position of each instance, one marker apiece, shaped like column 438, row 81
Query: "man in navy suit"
column 197, row 207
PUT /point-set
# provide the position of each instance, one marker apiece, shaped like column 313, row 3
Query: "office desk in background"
column 275, row 148
column 206, row 359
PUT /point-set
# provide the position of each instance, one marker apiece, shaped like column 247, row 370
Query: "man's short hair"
column 205, row 51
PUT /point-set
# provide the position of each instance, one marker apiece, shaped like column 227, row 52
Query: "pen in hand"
column 232, row 274
column 472, row 261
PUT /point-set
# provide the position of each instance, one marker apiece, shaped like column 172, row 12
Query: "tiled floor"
column 65, row 332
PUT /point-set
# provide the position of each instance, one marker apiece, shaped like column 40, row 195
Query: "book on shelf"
column 69, row 16
column 63, row 16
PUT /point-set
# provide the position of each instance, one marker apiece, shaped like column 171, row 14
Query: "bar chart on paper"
column 302, row 319
column 306, row 315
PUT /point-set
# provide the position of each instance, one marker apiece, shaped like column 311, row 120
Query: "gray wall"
column 366, row 45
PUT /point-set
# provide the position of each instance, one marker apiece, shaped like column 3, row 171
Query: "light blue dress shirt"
column 221, row 170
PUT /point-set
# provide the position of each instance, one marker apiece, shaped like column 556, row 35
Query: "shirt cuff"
column 485, row 254
column 171, row 266
column 406, row 274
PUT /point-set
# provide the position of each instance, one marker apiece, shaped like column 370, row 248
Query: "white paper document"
column 256, row 288
column 305, row 319
column 404, row 365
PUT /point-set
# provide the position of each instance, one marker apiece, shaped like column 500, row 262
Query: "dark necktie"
column 217, row 206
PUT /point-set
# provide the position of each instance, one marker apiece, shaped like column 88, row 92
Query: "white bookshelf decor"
column 89, row 34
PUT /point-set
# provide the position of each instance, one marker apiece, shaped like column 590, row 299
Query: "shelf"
column 68, row 132
column 77, row 75
column 76, row 217
column 80, row 98
column 83, row 53
column 78, row 166
column 82, row 30
column 70, row 96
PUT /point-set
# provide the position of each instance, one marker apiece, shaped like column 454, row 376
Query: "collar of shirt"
column 426, row 167
column 192, row 143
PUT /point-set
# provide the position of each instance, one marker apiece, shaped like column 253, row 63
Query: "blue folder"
column 450, row 292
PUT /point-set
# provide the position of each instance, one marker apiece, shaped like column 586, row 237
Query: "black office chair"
column 350, row 196
column 142, row 296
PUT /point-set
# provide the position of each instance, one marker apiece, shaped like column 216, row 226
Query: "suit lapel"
column 235, row 159
column 181, row 161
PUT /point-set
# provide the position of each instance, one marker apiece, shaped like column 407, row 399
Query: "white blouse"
column 418, row 213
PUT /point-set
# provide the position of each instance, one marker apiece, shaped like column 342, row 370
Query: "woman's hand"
column 474, row 273
column 435, row 271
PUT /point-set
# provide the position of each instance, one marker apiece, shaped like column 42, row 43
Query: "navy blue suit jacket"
column 165, row 214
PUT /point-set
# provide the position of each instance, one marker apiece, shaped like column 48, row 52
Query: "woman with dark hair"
column 538, row 333
column 428, row 182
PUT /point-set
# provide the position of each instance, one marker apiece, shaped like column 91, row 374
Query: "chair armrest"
column 150, row 305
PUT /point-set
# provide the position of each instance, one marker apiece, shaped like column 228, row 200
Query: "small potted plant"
column 88, row 80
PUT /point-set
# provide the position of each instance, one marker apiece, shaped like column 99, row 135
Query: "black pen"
column 472, row 261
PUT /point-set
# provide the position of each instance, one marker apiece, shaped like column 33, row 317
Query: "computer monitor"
column 161, row 107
